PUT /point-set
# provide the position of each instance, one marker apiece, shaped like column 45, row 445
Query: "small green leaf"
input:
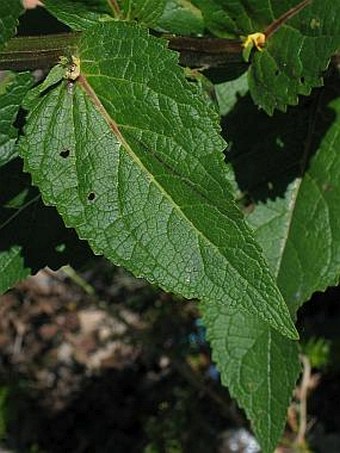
column 144, row 179
column 181, row 17
column 216, row 18
column 10, row 11
column 144, row 11
column 80, row 14
column 12, row 268
column 13, row 88
column 227, row 93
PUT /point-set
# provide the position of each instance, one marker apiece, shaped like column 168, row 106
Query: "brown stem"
column 25, row 53
column 115, row 7
column 204, row 45
column 37, row 52
column 33, row 52
column 274, row 26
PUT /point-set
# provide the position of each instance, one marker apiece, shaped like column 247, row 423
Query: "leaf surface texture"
column 143, row 177
column 258, row 365
column 295, row 54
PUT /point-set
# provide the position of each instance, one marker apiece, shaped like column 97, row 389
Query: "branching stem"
column 40, row 52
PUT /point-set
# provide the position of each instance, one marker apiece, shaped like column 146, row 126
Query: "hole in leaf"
column 91, row 196
column 302, row 80
column 277, row 72
column 64, row 153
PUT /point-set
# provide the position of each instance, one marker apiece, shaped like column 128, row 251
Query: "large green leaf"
column 13, row 88
column 259, row 367
column 131, row 157
column 296, row 220
column 294, row 57
column 10, row 11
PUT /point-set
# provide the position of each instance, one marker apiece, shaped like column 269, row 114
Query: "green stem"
column 78, row 280
column 37, row 52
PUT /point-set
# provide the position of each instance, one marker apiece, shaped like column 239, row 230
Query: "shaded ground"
column 106, row 363
column 120, row 370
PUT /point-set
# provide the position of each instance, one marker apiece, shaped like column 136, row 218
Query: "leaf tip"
column 290, row 331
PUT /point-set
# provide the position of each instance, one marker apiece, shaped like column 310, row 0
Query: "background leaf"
column 299, row 212
column 145, row 11
column 294, row 57
column 80, row 15
column 181, row 17
column 259, row 367
column 257, row 372
column 13, row 88
column 306, row 225
column 12, row 268
column 10, row 11
column 227, row 94
column 141, row 175
column 216, row 18
column 296, row 220
column 31, row 234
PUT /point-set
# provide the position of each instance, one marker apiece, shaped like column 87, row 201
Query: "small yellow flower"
column 255, row 39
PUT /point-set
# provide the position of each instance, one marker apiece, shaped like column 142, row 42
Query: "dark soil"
column 110, row 364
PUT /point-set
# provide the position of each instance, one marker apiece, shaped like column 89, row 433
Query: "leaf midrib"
column 87, row 88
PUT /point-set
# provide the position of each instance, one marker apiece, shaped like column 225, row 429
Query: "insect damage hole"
column 64, row 153
column 91, row 196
